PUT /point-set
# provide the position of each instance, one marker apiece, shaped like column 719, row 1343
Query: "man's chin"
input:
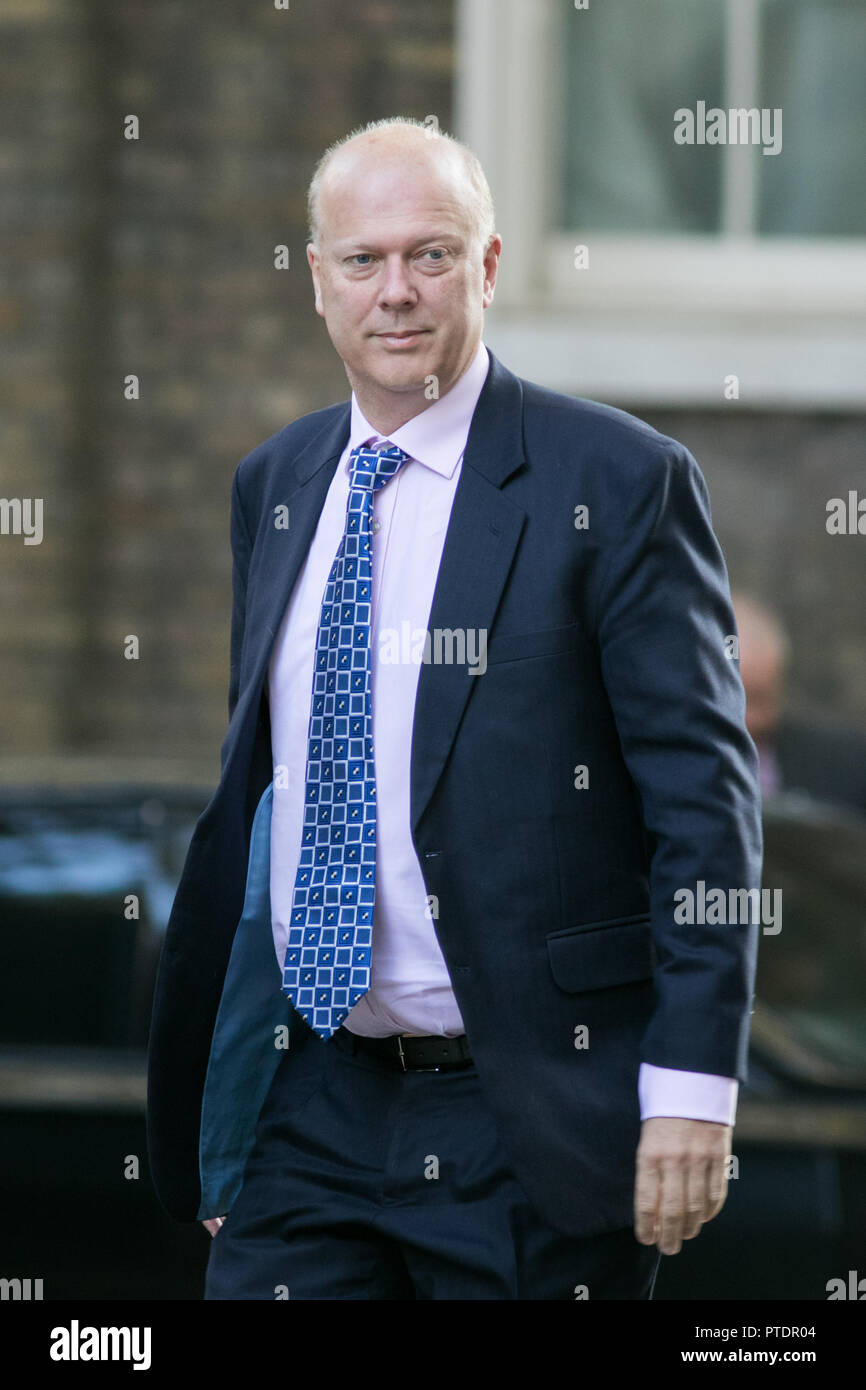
column 399, row 376
column 404, row 374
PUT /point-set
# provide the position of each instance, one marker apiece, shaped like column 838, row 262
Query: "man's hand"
column 213, row 1224
column 681, row 1179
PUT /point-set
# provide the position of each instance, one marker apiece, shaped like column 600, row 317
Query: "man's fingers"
column 680, row 1180
column 707, row 1191
column 672, row 1208
column 717, row 1187
column 213, row 1224
column 697, row 1209
column 646, row 1198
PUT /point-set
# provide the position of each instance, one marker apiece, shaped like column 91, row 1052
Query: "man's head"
column 763, row 659
column 402, row 242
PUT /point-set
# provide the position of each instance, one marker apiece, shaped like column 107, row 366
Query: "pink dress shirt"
column 410, row 989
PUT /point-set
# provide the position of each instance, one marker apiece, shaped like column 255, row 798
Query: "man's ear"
column 492, row 253
column 313, row 262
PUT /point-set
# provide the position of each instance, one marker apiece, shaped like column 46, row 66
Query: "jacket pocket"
column 597, row 956
column 519, row 646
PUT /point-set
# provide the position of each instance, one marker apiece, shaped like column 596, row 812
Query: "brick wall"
column 155, row 258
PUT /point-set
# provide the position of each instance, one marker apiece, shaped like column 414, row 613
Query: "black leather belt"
column 408, row 1053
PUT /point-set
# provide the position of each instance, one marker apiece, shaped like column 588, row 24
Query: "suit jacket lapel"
column 482, row 536
column 301, row 484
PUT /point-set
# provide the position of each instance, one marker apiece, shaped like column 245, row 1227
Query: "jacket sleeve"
column 663, row 614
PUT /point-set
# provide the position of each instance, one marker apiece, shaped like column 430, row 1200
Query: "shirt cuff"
column 686, row 1095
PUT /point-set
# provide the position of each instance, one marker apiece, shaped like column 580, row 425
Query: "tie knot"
column 373, row 467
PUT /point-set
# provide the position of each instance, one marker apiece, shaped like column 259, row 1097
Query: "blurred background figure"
column 826, row 762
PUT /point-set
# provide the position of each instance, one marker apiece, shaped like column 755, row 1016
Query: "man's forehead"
column 410, row 221
column 395, row 231
column 395, row 194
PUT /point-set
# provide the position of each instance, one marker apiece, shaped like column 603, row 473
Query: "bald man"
column 426, row 1024
column 826, row 761
column 764, row 652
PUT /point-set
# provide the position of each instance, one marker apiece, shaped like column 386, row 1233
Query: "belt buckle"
column 402, row 1055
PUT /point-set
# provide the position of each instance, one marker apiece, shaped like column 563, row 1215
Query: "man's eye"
column 434, row 251
column 361, row 256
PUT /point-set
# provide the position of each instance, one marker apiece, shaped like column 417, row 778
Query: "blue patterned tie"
column 327, row 966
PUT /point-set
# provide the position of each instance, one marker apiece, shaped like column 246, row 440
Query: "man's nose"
column 397, row 288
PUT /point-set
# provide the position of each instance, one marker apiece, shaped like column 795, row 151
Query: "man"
column 426, row 1026
column 822, row 761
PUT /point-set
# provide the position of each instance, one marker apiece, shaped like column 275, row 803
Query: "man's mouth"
column 404, row 338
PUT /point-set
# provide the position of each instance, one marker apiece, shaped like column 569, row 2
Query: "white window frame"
column 654, row 320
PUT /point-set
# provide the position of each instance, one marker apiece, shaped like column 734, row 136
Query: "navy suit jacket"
column 605, row 651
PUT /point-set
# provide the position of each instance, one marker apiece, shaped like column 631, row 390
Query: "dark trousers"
column 368, row 1182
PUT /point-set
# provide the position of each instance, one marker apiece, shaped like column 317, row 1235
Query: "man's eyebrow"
column 359, row 246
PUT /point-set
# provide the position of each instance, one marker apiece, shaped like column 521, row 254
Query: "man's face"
column 400, row 278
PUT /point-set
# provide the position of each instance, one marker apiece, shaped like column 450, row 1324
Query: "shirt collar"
column 437, row 436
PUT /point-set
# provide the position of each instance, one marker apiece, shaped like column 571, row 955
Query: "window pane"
column 626, row 70
column 814, row 68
